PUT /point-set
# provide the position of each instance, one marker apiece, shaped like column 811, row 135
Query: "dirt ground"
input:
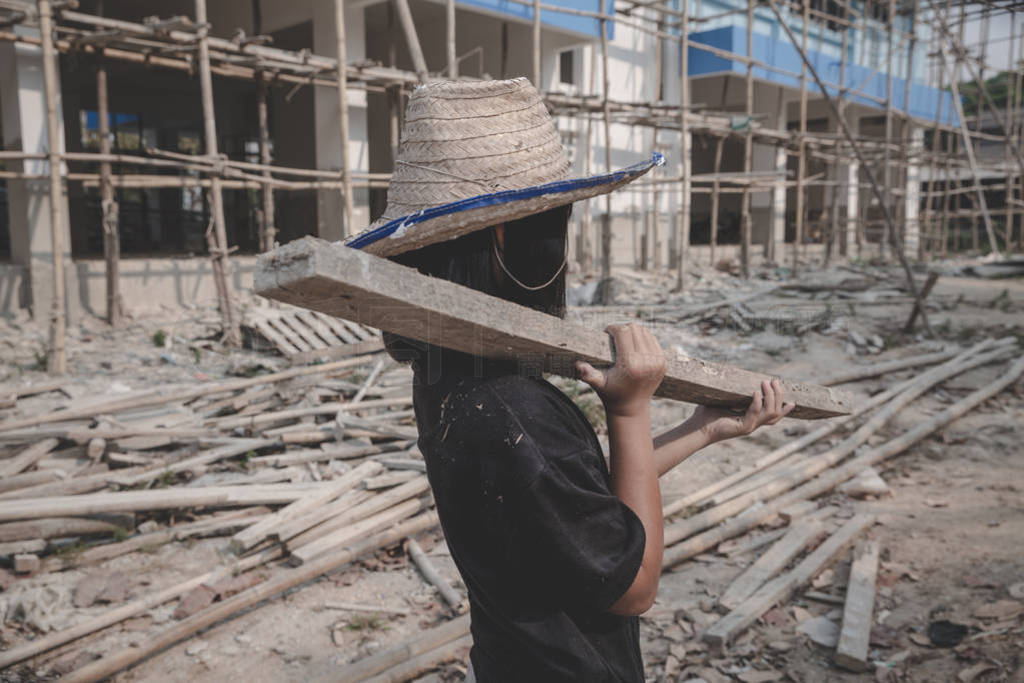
column 951, row 528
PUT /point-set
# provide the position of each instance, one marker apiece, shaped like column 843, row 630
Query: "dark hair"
column 534, row 249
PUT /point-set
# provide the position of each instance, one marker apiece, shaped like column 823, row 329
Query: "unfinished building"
column 182, row 133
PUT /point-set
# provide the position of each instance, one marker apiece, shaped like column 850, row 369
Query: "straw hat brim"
column 448, row 221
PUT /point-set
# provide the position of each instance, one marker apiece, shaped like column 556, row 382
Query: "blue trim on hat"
column 505, row 197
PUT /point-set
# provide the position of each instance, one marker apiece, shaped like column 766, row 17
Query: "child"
column 560, row 551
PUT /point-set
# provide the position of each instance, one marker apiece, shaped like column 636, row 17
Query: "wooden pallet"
column 306, row 336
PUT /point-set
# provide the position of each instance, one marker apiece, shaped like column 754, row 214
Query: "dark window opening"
column 567, row 67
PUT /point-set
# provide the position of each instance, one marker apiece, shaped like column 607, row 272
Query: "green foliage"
column 70, row 549
column 166, row 478
column 121, row 534
column 998, row 88
column 246, row 457
column 366, row 622
column 159, row 338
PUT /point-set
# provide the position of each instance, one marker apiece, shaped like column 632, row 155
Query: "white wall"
column 23, row 112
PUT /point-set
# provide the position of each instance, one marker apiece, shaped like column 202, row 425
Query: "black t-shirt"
column 543, row 546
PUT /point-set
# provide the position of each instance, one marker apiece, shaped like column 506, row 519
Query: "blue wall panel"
column 568, row 22
column 925, row 101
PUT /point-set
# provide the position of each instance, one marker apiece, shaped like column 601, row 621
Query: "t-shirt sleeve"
column 573, row 537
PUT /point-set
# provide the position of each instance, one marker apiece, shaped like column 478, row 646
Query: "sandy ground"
column 952, row 529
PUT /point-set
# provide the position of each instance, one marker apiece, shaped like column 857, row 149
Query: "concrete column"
column 776, row 245
column 912, row 198
column 328, row 144
column 778, row 214
column 852, row 206
column 852, row 193
column 23, row 117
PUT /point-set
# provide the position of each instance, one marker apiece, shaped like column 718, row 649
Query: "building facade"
column 158, row 110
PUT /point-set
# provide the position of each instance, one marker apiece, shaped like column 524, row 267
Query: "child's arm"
column 709, row 425
column 626, row 390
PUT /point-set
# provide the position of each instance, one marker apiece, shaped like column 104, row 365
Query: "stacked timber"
column 309, row 468
column 315, row 466
column 782, row 487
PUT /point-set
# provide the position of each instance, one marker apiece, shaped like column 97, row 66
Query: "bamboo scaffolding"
column 183, row 45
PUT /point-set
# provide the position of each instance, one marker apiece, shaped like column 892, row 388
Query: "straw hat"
column 476, row 154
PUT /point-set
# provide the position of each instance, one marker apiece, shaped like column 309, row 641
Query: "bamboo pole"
column 536, row 44
column 218, row 240
column 449, row 24
column 56, row 359
column 346, row 172
column 108, row 204
column 655, row 261
column 801, row 160
column 606, row 223
column 411, row 39
column 978, row 85
column 1008, row 119
column 266, row 212
column 432, row 575
column 656, row 96
column 587, row 263
column 748, row 147
column 716, row 197
column 886, row 163
column 1018, row 129
column 908, row 133
column 268, row 230
column 931, row 220
column 408, row 649
column 948, row 186
column 685, row 145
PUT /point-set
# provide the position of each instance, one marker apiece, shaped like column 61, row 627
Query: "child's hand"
column 626, row 388
column 766, row 408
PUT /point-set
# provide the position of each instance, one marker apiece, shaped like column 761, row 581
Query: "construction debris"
column 219, row 462
column 852, row 647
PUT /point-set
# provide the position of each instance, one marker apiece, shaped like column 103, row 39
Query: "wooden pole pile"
column 104, row 667
column 319, row 506
column 416, row 649
column 813, row 475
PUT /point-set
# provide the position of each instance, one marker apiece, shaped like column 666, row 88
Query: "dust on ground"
column 951, row 529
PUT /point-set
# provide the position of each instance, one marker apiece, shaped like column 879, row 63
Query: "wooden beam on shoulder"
column 347, row 283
